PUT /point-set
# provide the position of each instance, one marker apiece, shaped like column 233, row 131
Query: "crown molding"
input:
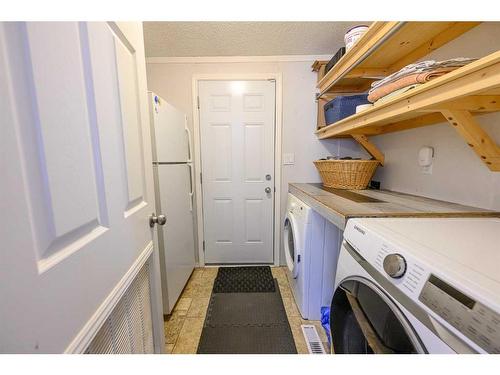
column 234, row 59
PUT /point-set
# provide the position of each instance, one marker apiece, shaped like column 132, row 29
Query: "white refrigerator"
column 173, row 177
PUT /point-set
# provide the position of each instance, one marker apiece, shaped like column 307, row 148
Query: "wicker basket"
column 346, row 174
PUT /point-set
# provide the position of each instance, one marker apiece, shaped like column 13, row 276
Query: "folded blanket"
column 423, row 66
column 405, row 81
column 393, row 94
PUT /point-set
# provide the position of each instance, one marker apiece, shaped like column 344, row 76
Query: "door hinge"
column 203, row 246
column 201, row 178
column 198, row 102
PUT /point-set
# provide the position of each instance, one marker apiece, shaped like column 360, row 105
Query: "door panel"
column 219, row 165
column 75, row 140
column 223, row 210
column 129, row 109
column 57, row 129
column 254, row 146
column 254, row 215
column 63, row 126
column 237, row 150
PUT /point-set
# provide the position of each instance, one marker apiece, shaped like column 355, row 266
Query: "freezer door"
column 170, row 132
column 176, row 237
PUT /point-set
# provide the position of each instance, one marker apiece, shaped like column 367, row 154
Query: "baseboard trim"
column 89, row 330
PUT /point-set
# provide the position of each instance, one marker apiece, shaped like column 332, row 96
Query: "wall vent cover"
column 312, row 339
column 129, row 327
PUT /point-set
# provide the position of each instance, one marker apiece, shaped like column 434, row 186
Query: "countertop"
column 338, row 206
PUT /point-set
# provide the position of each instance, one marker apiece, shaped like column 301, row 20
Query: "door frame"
column 278, row 78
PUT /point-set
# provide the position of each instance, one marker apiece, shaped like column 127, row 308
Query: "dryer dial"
column 395, row 265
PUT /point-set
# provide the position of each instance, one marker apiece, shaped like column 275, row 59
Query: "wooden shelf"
column 472, row 89
column 385, row 48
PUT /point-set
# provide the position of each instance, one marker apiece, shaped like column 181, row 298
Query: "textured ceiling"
column 180, row 39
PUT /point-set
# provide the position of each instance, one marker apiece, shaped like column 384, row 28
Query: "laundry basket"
column 346, row 174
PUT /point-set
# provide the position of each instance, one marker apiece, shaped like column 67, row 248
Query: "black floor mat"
column 273, row 339
column 244, row 280
column 246, row 309
column 246, row 322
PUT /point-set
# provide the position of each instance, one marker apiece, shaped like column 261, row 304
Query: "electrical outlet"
column 426, row 169
column 425, row 159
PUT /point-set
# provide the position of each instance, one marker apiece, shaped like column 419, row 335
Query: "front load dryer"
column 308, row 275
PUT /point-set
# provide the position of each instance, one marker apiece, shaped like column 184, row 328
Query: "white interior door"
column 237, row 152
column 77, row 183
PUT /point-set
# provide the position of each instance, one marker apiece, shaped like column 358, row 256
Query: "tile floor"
column 183, row 327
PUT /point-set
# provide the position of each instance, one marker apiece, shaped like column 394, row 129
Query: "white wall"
column 458, row 174
column 173, row 82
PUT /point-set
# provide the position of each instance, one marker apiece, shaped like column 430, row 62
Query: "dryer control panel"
column 476, row 321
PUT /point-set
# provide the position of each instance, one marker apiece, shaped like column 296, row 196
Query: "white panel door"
column 76, row 193
column 237, row 152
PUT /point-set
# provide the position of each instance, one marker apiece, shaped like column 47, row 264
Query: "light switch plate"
column 289, row 159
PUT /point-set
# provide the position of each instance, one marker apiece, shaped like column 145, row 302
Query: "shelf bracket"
column 369, row 147
column 469, row 129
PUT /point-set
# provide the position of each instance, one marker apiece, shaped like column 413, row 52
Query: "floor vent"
column 312, row 339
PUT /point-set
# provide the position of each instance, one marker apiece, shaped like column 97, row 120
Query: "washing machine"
column 418, row 285
column 311, row 250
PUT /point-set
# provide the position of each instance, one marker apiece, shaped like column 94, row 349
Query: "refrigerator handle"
column 190, row 148
column 191, row 193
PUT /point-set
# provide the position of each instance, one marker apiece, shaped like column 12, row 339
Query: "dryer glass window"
column 289, row 241
column 362, row 322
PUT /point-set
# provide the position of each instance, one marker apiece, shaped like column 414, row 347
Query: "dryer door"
column 364, row 320
column 290, row 241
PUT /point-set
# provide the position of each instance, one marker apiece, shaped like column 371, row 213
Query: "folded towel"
column 423, row 66
column 407, row 80
column 393, row 94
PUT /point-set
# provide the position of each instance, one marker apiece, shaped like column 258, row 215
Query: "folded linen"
column 407, row 80
column 393, row 94
column 423, row 66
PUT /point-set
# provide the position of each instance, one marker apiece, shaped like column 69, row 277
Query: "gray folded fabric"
column 422, row 66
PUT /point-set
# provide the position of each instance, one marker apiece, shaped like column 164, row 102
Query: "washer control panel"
column 474, row 320
column 394, row 265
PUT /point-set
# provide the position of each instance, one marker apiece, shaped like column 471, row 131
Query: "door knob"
column 268, row 177
column 160, row 220
column 267, row 190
